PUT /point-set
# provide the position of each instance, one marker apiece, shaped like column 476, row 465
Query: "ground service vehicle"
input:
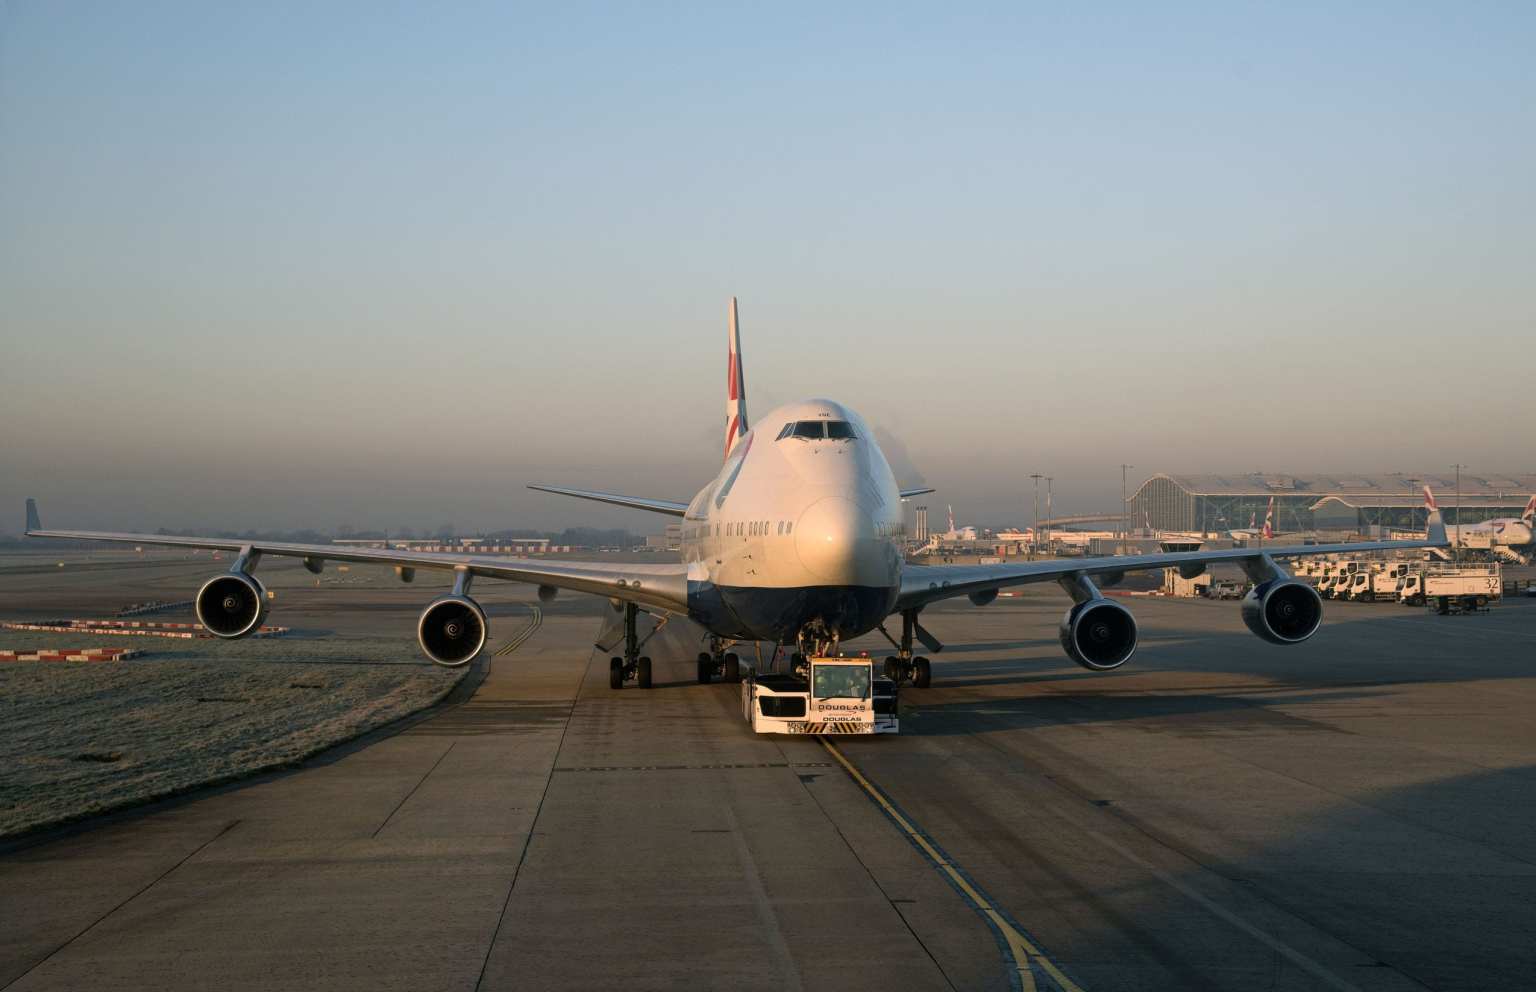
column 824, row 696
column 1381, row 581
column 1465, row 586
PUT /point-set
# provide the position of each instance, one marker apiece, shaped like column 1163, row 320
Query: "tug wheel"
column 615, row 673
column 732, row 667
column 706, row 667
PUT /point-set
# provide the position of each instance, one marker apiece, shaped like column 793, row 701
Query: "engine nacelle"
column 452, row 630
column 231, row 605
column 1283, row 611
column 1099, row 634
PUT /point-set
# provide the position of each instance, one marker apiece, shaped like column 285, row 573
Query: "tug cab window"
column 842, row 682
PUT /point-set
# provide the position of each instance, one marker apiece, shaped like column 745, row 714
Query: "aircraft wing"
column 923, row 584
column 661, row 586
column 667, row 506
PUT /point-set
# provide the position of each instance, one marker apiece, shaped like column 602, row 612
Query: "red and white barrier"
column 77, row 654
column 142, row 628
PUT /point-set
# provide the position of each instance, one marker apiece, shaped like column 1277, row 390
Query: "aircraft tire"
column 615, row 673
column 706, row 668
column 643, row 673
column 922, row 673
column 732, row 667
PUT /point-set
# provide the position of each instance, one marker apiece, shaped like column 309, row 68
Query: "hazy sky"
column 270, row 265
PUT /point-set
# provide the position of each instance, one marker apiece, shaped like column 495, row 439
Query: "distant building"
column 672, row 540
column 1215, row 503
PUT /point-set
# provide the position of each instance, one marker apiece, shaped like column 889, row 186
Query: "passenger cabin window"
column 840, row 430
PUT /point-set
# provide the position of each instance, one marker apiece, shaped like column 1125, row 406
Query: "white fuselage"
column 1509, row 532
column 797, row 531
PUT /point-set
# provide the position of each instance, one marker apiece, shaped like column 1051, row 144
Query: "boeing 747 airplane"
column 798, row 541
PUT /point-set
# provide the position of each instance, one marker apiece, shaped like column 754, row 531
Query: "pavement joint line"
column 419, row 783
column 1285, row 950
column 873, row 879
column 517, row 640
column 147, row 886
column 501, row 917
column 721, row 767
column 1023, row 953
column 762, row 903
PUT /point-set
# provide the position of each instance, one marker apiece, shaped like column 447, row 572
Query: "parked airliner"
column 798, row 540
column 1511, row 537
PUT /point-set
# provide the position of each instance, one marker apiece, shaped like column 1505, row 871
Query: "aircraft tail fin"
column 735, row 388
column 1429, row 500
column 1529, row 516
column 1269, row 520
column 34, row 522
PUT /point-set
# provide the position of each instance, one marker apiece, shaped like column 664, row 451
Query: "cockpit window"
column 808, row 429
column 840, row 430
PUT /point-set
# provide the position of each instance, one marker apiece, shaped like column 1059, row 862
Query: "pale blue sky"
column 275, row 265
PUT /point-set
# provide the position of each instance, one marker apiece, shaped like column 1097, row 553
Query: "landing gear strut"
column 903, row 666
column 718, row 662
column 633, row 665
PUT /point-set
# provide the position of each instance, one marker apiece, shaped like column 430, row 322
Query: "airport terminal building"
column 1206, row 503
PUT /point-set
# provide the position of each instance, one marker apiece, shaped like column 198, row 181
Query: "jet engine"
column 1099, row 634
column 1283, row 611
column 452, row 630
column 231, row 605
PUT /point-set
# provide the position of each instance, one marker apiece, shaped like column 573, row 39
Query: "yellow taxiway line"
column 522, row 635
column 1026, row 956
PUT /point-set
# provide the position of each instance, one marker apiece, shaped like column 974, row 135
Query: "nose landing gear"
column 903, row 666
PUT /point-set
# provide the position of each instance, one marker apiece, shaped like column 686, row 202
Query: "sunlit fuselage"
column 796, row 534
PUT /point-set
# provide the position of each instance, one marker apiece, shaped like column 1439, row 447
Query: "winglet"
column 33, row 521
column 735, row 387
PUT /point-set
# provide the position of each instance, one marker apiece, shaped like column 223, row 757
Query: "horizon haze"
column 286, row 266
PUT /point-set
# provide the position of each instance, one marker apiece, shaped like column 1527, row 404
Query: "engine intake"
column 231, row 605
column 1283, row 611
column 452, row 630
column 1098, row 634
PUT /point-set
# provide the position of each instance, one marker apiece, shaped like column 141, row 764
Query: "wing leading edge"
column 661, row 586
column 667, row 506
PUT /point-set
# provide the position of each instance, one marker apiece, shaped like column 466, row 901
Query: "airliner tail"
column 735, row 388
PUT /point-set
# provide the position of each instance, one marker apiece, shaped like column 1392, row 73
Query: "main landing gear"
column 633, row 666
column 719, row 663
column 903, row 666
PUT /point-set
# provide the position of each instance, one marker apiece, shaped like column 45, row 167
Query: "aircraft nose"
column 830, row 537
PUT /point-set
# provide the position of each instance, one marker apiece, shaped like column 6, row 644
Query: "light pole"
column 1050, row 514
column 1456, row 551
column 1034, row 539
column 1125, row 506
